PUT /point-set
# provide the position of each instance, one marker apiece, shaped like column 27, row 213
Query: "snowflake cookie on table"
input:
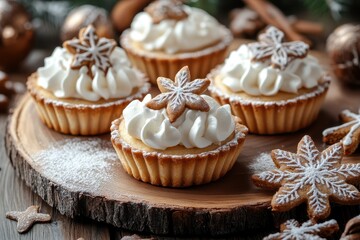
column 292, row 230
column 310, row 176
column 348, row 132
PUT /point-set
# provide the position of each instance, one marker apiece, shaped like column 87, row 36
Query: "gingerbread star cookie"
column 292, row 230
column 166, row 9
column 181, row 94
column 28, row 218
column 310, row 176
column 89, row 50
column 348, row 133
column 271, row 46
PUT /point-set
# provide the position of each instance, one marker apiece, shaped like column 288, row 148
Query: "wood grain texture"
column 228, row 206
column 15, row 195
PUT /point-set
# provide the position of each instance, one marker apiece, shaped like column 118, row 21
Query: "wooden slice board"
column 228, row 206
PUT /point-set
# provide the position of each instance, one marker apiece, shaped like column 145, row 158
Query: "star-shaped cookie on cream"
column 181, row 94
column 271, row 46
column 89, row 50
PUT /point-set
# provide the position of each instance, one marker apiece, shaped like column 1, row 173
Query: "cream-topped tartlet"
column 273, row 86
column 178, row 138
column 85, row 85
column 169, row 35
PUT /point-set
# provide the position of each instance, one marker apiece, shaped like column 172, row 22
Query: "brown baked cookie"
column 348, row 133
column 352, row 229
column 28, row 218
column 166, row 9
column 270, row 46
column 292, row 230
column 89, row 50
column 245, row 22
column 312, row 177
column 178, row 95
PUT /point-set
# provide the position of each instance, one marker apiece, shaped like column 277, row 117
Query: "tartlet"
column 169, row 35
column 273, row 87
column 79, row 92
column 193, row 141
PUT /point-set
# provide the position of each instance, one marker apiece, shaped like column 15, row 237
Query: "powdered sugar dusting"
column 84, row 163
column 262, row 163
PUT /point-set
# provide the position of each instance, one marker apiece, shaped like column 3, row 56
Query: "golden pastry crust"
column 176, row 166
column 282, row 113
column 76, row 116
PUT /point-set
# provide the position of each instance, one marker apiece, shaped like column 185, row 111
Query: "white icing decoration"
column 354, row 123
column 308, row 230
column 180, row 93
column 270, row 45
column 91, row 48
column 309, row 168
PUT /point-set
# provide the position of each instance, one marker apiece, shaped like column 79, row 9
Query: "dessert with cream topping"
column 85, row 84
column 178, row 138
column 273, row 86
column 169, row 35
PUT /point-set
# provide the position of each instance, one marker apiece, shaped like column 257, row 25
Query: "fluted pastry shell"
column 76, row 116
column 281, row 113
column 176, row 166
column 157, row 63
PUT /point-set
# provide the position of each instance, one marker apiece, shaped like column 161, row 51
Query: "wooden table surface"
column 15, row 195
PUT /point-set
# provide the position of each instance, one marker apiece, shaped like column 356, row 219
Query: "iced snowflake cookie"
column 348, row 133
column 169, row 35
column 178, row 138
column 273, row 86
column 312, row 177
column 85, row 85
column 292, row 230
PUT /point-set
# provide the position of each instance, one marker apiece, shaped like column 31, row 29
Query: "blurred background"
column 26, row 25
column 48, row 16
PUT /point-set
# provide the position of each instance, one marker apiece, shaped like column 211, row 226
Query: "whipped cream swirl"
column 192, row 129
column 58, row 77
column 241, row 74
column 197, row 31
